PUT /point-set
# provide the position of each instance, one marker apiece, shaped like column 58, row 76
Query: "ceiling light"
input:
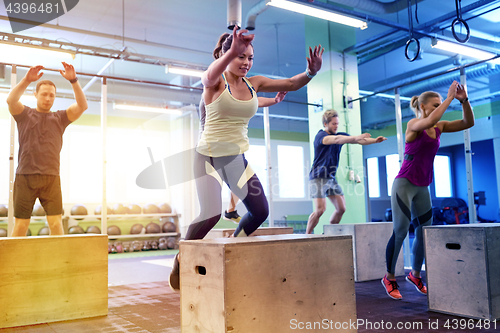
column 464, row 50
column 34, row 51
column 319, row 13
column 183, row 71
column 146, row 109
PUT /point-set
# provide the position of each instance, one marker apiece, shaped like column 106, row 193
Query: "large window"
column 373, row 177
column 291, row 171
column 442, row 176
column 392, row 166
column 256, row 157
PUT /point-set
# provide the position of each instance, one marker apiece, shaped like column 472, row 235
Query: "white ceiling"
column 187, row 30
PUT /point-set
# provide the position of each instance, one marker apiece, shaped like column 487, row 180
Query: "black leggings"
column 410, row 204
column 210, row 172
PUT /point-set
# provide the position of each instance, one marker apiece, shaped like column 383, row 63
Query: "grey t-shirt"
column 40, row 141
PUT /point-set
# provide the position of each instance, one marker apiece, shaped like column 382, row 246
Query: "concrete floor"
column 141, row 301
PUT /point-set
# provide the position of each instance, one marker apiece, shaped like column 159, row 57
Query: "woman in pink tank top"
column 410, row 198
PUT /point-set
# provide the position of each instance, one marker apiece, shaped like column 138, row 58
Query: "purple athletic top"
column 419, row 158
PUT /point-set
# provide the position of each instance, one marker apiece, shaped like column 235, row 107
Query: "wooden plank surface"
column 278, row 285
column 266, row 283
column 221, row 233
column 46, row 279
column 457, row 272
column 202, row 296
column 370, row 243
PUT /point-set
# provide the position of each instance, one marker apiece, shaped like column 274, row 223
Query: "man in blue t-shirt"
column 322, row 183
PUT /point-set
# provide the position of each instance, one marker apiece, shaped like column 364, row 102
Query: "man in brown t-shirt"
column 40, row 142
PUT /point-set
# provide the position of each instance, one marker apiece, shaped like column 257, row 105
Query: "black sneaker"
column 174, row 280
column 232, row 216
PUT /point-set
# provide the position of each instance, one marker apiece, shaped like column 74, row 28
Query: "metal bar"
column 422, row 27
column 427, row 77
column 399, row 127
column 401, row 145
column 472, row 17
column 10, row 213
column 468, row 161
column 370, row 40
column 114, row 78
column 91, row 82
column 302, row 103
column 283, row 117
column 104, row 126
column 267, row 138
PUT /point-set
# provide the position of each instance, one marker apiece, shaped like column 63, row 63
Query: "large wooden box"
column 266, row 284
column 463, row 269
column 264, row 231
column 45, row 279
column 369, row 246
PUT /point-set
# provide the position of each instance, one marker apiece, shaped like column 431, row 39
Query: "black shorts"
column 47, row 188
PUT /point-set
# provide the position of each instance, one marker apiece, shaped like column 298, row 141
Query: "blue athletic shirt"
column 326, row 157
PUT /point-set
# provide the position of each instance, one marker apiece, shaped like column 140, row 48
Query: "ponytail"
column 220, row 48
column 415, row 107
column 416, row 101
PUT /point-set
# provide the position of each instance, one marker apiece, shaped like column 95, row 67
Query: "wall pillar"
column 328, row 87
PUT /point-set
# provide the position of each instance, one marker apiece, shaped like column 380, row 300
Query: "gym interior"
column 140, row 63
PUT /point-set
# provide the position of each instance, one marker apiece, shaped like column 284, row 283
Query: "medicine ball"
column 137, row 229
column 76, row 229
column 119, row 209
column 169, row 227
column 114, row 230
column 45, row 231
column 151, row 209
column 165, row 208
column 79, row 209
column 93, row 230
column 153, row 228
column 38, row 210
column 3, row 211
column 98, row 211
column 3, row 232
column 134, row 209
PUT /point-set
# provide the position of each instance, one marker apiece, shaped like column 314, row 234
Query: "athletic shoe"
column 232, row 216
column 417, row 282
column 174, row 280
column 391, row 288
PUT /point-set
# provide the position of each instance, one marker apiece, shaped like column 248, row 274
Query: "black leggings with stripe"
column 409, row 203
column 234, row 170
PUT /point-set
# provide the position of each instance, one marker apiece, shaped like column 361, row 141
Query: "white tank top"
column 226, row 124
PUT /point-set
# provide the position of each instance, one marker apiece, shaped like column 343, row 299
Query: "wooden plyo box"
column 223, row 233
column 266, row 284
column 45, row 279
column 369, row 246
column 463, row 269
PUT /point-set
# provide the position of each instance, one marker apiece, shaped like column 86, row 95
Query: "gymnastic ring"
column 459, row 20
column 413, row 39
